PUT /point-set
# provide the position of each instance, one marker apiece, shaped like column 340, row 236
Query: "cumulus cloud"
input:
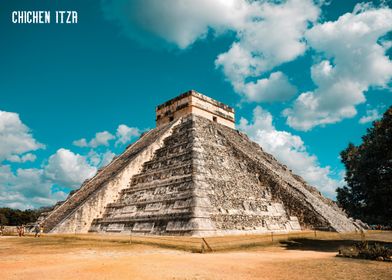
column 125, row 133
column 100, row 159
column 80, row 143
column 68, row 169
column 34, row 187
column 290, row 150
column 354, row 60
column 274, row 88
column 100, row 139
column 178, row 22
column 24, row 158
column 371, row 115
column 271, row 36
column 268, row 33
column 26, row 188
column 107, row 157
column 15, row 138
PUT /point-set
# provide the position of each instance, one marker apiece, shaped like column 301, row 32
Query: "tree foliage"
column 368, row 194
column 16, row 217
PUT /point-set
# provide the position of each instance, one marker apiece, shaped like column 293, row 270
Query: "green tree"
column 15, row 217
column 368, row 194
column 3, row 219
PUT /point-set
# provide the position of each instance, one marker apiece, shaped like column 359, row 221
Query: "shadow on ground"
column 324, row 245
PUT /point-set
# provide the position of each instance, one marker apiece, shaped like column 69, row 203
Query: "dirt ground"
column 60, row 258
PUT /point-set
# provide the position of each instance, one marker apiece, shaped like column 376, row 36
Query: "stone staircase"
column 91, row 186
column 159, row 199
column 207, row 179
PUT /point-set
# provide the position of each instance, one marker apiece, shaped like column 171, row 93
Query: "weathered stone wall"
column 89, row 202
column 192, row 102
column 198, row 177
column 160, row 199
column 301, row 200
column 195, row 184
column 241, row 200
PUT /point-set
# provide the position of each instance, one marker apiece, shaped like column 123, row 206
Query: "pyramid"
column 196, row 175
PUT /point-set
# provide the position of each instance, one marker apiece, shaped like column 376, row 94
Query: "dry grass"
column 112, row 257
column 225, row 243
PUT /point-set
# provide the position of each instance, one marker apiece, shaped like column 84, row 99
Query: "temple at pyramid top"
column 193, row 102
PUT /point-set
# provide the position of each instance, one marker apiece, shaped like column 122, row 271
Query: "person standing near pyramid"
column 37, row 230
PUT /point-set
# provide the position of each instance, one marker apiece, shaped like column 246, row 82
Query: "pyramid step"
column 207, row 177
column 183, row 134
column 167, row 190
column 178, row 170
column 149, row 217
column 163, row 183
column 183, row 196
column 158, row 182
column 172, row 149
column 172, row 160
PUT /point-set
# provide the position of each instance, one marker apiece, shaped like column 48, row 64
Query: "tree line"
column 16, row 217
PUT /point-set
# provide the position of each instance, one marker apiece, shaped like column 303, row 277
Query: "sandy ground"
column 54, row 258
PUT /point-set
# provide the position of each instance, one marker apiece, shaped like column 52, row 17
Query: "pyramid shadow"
column 324, row 245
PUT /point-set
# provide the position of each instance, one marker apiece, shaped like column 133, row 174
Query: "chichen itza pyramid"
column 194, row 174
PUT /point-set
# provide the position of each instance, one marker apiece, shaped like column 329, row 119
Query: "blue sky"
column 305, row 79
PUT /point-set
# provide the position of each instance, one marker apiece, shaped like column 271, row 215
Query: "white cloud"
column 107, row 157
column 34, row 187
column 290, row 150
column 26, row 188
column 94, row 158
column 100, row 139
column 68, row 169
column 22, row 188
column 271, row 36
column 80, row 143
column 125, row 133
column 354, row 61
column 268, row 33
column 100, row 159
column 371, row 115
column 15, row 137
column 24, row 158
column 274, row 88
column 179, row 22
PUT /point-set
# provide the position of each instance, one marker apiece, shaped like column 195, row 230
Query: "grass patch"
column 307, row 240
column 367, row 250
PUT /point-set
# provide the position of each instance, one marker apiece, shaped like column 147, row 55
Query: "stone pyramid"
column 196, row 175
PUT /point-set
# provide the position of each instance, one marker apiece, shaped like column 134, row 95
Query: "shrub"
column 364, row 250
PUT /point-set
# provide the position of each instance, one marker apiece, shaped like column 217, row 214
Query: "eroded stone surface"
column 195, row 175
column 89, row 202
column 209, row 179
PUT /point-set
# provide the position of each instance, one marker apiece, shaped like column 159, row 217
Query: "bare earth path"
column 49, row 258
